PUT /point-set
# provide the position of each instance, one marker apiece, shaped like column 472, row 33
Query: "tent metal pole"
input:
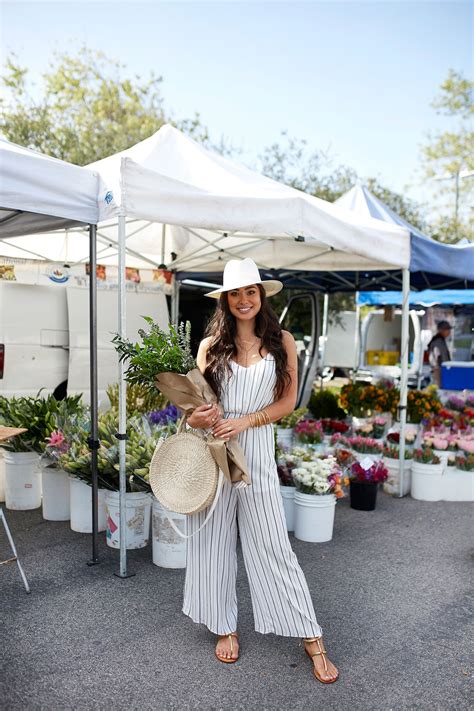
column 94, row 433
column 357, row 335
column 122, row 424
column 163, row 243
column 175, row 300
column 324, row 331
column 404, row 374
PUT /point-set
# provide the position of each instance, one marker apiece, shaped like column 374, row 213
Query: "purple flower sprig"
column 163, row 417
column 375, row 474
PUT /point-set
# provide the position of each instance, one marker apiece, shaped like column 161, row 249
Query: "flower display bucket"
column 169, row 549
column 392, row 484
column 22, row 480
column 138, row 514
column 285, row 436
column 314, row 517
column 56, row 495
column 458, row 485
column 288, row 497
column 443, row 455
column 2, row 476
column 363, row 495
column 427, row 481
column 81, row 506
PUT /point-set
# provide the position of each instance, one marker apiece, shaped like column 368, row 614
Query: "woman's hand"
column 204, row 417
column 231, row 427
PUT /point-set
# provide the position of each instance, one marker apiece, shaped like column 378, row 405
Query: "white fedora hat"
column 244, row 272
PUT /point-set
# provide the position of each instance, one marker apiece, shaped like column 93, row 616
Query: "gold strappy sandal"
column 321, row 652
column 228, row 660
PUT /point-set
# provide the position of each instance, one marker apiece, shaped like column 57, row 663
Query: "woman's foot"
column 324, row 670
column 227, row 649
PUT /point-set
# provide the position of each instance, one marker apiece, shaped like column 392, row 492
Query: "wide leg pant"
column 280, row 597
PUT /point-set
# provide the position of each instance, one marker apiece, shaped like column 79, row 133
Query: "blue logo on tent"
column 109, row 197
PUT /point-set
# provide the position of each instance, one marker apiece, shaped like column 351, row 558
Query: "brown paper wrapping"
column 188, row 392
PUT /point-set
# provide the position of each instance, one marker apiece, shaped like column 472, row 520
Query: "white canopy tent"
column 40, row 193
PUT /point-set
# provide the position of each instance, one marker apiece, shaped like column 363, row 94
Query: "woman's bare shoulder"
column 287, row 338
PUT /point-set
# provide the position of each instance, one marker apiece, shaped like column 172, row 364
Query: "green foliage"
column 448, row 153
column 140, row 399
column 293, row 418
column 39, row 415
column 139, row 449
column 88, row 108
column 324, row 404
column 159, row 352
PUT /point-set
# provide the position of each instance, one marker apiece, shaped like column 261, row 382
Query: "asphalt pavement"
column 391, row 593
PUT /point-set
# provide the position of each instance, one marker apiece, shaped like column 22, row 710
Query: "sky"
column 352, row 78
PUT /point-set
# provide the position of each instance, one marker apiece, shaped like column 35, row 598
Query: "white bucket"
column 314, row 517
column 137, row 516
column 427, row 481
column 285, row 437
column 169, row 549
column 2, row 476
column 81, row 506
column 392, row 484
column 443, row 455
column 22, row 480
column 458, row 485
column 288, row 497
column 56, row 503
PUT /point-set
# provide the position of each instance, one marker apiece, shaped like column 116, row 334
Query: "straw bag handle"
column 220, row 481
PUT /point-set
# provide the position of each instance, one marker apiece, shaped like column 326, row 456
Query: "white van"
column 44, row 335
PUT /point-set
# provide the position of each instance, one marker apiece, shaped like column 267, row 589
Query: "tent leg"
column 404, row 374
column 94, row 434
column 357, row 335
column 122, row 425
column 324, row 331
column 175, row 301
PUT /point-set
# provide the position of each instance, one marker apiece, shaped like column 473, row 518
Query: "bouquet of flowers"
column 285, row 466
column 365, row 445
column 338, row 440
column 164, row 360
column 344, row 457
column 454, row 402
column 394, row 437
column 331, row 427
column 378, row 427
column 465, row 463
column 466, row 444
column 425, row 455
column 375, row 473
column 309, row 432
column 392, row 452
column 319, row 476
column 422, row 403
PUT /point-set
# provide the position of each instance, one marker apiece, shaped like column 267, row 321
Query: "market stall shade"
column 218, row 209
column 426, row 254
column 39, row 193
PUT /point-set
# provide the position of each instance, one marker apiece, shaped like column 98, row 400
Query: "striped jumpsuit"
column 281, row 600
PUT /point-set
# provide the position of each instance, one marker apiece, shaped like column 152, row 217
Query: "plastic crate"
column 456, row 375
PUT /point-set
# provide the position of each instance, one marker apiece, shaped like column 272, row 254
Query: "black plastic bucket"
column 363, row 495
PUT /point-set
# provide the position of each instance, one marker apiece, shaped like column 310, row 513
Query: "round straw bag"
column 183, row 473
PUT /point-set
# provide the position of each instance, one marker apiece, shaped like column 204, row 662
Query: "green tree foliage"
column 87, row 108
column 450, row 153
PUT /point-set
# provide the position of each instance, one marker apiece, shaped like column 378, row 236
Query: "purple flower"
column 164, row 417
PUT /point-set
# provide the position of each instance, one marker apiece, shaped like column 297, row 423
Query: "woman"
column 251, row 365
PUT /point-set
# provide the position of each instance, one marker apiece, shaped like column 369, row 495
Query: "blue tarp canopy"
column 429, row 297
column 427, row 255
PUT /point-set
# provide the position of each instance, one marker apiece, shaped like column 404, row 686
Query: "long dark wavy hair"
column 222, row 330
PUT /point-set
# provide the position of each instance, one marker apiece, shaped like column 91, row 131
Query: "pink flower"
column 467, row 445
column 440, row 443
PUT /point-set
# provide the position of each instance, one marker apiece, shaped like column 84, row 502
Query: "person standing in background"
column 438, row 350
